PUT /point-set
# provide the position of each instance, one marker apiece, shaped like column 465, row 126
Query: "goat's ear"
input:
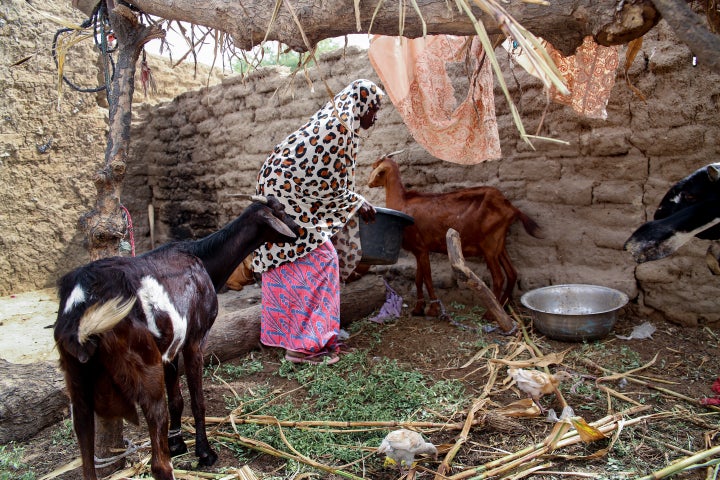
column 81, row 352
column 713, row 171
column 277, row 224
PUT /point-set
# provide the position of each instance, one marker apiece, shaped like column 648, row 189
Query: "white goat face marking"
column 154, row 297
column 77, row 296
column 676, row 198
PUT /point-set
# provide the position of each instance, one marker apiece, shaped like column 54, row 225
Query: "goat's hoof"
column 434, row 310
column 177, row 448
column 207, row 460
column 418, row 312
column 163, row 473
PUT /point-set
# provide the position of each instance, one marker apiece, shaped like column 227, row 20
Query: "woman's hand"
column 367, row 212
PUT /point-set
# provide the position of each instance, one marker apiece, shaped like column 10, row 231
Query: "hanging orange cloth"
column 589, row 75
column 415, row 77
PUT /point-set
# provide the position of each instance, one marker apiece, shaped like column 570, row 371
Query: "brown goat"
column 481, row 215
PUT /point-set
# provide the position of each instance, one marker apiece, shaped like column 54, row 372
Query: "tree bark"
column 690, row 29
column 33, row 398
column 106, row 225
column 564, row 23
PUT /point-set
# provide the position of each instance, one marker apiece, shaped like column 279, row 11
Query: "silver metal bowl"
column 574, row 312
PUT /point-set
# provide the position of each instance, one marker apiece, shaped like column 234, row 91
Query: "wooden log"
column 488, row 300
column 361, row 298
column 33, row 398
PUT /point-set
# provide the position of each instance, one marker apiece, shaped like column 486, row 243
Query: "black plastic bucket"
column 381, row 240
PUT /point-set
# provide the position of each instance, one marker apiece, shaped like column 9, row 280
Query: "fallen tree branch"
column 488, row 300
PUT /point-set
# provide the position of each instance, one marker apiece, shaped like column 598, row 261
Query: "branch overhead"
column 564, row 23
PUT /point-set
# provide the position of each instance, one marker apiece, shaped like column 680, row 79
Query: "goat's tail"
column 530, row 225
column 100, row 318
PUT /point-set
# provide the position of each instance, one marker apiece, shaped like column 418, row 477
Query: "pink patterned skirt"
column 301, row 303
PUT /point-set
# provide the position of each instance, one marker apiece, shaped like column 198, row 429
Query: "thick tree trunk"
column 33, row 395
column 564, row 23
column 105, row 226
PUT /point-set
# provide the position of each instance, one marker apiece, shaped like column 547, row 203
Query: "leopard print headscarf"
column 312, row 173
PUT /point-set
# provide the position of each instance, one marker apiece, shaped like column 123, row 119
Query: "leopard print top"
column 312, row 172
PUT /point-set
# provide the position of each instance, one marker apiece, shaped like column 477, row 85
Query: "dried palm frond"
column 419, row 14
column 273, row 17
column 356, row 7
column 632, row 51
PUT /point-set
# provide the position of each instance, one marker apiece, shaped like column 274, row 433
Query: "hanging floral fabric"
column 589, row 75
column 414, row 73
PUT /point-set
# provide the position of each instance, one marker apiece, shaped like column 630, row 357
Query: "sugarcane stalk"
column 462, row 438
column 265, row 448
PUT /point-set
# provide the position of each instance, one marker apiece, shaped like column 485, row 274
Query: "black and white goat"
column 123, row 321
column 690, row 208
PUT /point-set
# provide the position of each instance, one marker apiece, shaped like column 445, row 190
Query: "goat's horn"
column 394, row 153
column 252, row 198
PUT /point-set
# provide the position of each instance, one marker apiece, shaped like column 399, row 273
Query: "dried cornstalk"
column 514, row 460
column 684, row 464
column 265, row 448
column 672, row 393
column 343, row 425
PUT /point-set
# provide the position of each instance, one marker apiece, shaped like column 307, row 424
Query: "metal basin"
column 381, row 240
column 574, row 312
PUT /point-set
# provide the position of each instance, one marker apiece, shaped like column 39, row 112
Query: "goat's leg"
column 496, row 275
column 419, row 309
column 424, row 269
column 192, row 354
column 82, row 410
column 83, row 419
column 175, row 406
column 510, row 276
column 154, row 406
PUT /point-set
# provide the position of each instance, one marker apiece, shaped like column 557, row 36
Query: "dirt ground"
column 683, row 366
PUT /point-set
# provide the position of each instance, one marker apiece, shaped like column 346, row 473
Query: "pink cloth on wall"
column 414, row 74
